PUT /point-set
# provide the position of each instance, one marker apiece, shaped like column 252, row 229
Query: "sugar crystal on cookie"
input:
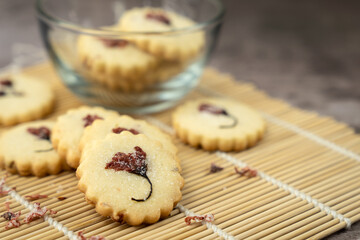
column 132, row 163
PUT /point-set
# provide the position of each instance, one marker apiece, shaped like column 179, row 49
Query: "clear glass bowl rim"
column 52, row 20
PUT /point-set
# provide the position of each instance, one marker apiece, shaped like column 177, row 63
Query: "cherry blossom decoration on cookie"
column 132, row 163
column 24, row 98
column 7, row 88
column 215, row 110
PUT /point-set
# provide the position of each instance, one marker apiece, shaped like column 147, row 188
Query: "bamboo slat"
column 309, row 167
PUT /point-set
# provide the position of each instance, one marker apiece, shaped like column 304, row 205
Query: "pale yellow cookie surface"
column 115, row 63
column 24, row 152
column 114, row 125
column 112, row 192
column 24, row 98
column 240, row 127
column 69, row 128
column 179, row 47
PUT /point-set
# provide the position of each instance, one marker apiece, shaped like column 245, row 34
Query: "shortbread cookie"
column 164, row 72
column 23, row 98
column 26, row 149
column 69, row 128
column 181, row 46
column 100, row 129
column 116, row 63
column 131, row 178
column 218, row 124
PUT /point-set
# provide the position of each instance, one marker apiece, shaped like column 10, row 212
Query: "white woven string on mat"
column 268, row 178
column 312, row 136
column 290, row 189
column 295, row 129
column 209, row 225
column 52, row 222
column 72, row 236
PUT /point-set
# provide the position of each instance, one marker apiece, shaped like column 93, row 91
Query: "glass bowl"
column 135, row 56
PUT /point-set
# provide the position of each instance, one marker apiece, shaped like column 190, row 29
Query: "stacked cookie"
column 127, row 168
column 135, row 61
column 26, row 149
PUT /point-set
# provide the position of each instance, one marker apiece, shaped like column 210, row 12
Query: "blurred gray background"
column 305, row 52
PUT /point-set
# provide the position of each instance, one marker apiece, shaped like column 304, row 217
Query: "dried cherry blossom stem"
column 234, row 123
column 149, row 195
column 45, row 150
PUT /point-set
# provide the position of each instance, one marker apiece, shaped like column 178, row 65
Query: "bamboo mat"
column 308, row 183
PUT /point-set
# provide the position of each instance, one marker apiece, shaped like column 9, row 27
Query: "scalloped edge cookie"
column 112, row 191
column 115, row 63
column 26, row 153
column 69, row 128
column 100, row 129
column 218, row 124
column 180, row 47
column 33, row 99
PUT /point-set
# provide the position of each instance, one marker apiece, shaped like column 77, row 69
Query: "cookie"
column 179, row 47
column 130, row 178
column 100, row 129
column 26, row 149
column 218, row 124
column 23, row 98
column 69, row 128
column 116, row 63
column 164, row 72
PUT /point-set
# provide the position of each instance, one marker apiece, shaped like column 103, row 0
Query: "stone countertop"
column 305, row 52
